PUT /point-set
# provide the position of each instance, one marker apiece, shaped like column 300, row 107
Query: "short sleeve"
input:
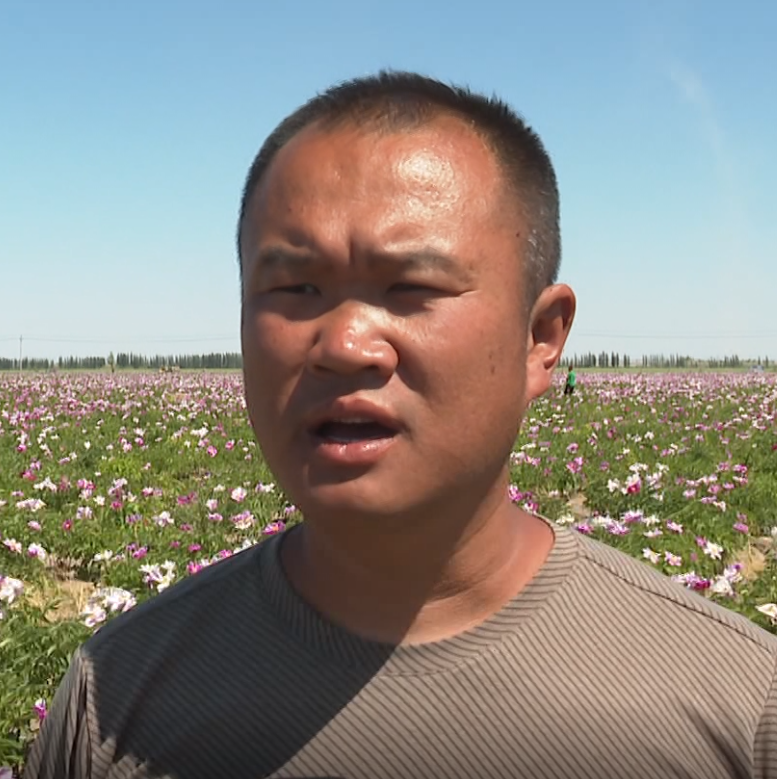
column 765, row 750
column 62, row 748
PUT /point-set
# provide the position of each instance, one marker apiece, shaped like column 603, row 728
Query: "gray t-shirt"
column 600, row 668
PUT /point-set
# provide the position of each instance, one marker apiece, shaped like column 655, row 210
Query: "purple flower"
column 278, row 526
column 39, row 707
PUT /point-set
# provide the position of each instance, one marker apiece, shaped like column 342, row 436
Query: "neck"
column 417, row 579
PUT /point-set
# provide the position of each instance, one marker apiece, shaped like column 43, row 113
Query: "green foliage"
column 144, row 470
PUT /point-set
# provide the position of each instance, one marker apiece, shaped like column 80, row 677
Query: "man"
column 569, row 387
column 399, row 246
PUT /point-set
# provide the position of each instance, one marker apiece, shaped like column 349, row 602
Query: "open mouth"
column 340, row 431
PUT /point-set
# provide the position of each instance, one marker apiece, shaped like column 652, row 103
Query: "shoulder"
column 202, row 603
column 638, row 585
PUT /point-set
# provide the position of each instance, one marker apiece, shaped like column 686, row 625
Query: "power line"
column 235, row 336
column 116, row 341
column 704, row 336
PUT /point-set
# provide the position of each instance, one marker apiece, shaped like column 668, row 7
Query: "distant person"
column 569, row 386
column 399, row 248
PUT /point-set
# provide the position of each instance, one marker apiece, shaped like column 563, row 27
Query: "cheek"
column 272, row 360
column 473, row 352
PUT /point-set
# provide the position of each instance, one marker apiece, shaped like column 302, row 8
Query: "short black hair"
column 394, row 100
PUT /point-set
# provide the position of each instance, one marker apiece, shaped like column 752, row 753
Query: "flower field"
column 114, row 487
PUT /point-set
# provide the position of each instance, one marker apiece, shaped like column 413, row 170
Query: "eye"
column 408, row 287
column 297, row 289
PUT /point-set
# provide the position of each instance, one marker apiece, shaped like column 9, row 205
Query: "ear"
column 549, row 324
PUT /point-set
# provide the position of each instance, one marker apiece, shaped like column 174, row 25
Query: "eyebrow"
column 426, row 258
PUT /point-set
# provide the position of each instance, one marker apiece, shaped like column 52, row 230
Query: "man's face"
column 384, row 337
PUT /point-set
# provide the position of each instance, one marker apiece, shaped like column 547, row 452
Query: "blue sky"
column 126, row 130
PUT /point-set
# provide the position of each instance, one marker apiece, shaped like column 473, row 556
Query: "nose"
column 351, row 340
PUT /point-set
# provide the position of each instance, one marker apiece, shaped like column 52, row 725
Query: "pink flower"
column 67, row 525
column 212, row 451
column 576, row 465
column 40, row 709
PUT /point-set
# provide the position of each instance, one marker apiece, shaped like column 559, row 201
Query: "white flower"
column 104, row 600
column 721, row 586
column 164, row 519
column 649, row 554
column 713, row 550
column 93, row 614
column 116, row 599
column 732, row 573
column 12, row 545
column 244, row 520
column 46, row 484
column 10, row 589
column 770, row 610
column 31, row 504
column 160, row 577
column 238, row 494
column 36, row 550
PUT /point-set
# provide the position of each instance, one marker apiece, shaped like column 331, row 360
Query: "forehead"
column 437, row 172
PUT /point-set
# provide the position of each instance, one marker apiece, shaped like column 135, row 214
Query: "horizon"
column 657, row 362
column 128, row 131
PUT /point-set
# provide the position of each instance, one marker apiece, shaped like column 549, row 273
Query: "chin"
column 351, row 499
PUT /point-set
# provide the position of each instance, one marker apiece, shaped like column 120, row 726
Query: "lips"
column 347, row 431
column 353, row 419
column 353, row 432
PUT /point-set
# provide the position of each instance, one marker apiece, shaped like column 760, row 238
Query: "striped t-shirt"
column 599, row 668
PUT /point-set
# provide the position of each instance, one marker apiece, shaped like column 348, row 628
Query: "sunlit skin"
column 387, row 267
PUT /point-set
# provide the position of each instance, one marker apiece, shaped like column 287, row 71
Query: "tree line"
column 615, row 360
column 128, row 360
column 234, row 361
